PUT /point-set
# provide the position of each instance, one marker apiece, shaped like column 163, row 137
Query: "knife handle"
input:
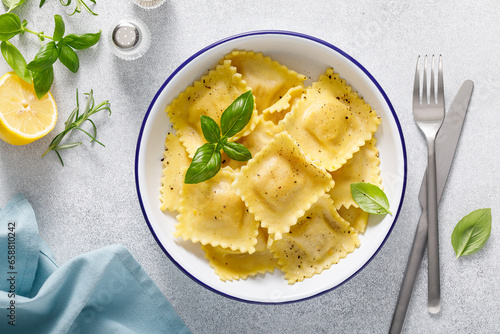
column 414, row 261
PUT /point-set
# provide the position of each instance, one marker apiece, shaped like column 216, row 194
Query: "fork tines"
column 427, row 96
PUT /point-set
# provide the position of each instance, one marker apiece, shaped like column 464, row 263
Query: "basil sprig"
column 10, row 26
column 207, row 159
column 16, row 60
column 40, row 69
column 370, row 198
column 11, row 4
column 471, row 232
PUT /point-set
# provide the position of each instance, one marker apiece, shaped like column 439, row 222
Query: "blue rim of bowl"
column 256, row 33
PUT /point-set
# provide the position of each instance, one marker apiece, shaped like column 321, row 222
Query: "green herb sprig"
column 207, row 159
column 370, row 198
column 12, row 4
column 471, row 232
column 60, row 46
column 75, row 121
column 78, row 7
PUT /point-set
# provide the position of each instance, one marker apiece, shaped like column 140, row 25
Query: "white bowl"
column 306, row 55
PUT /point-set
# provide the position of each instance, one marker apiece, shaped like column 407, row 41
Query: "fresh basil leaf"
column 16, row 60
column 83, row 41
column 59, row 29
column 205, row 165
column 69, row 58
column 10, row 26
column 370, row 198
column 41, row 3
column 42, row 81
column 471, row 232
column 210, row 129
column 12, row 4
column 237, row 151
column 44, row 58
column 237, row 115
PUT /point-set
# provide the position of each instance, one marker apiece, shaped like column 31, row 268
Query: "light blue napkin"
column 104, row 291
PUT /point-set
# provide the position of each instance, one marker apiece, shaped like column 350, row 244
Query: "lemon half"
column 23, row 117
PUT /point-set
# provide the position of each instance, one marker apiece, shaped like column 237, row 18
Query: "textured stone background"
column 92, row 201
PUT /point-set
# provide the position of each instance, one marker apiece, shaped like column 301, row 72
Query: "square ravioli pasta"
column 233, row 265
column 284, row 105
column 280, row 183
column 263, row 133
column 319, row 239
column 209, row 96
column 357, row 218
column 212, row 213
column 175, row 162
column 269, row 80
column 362, row 167
column 331, row 122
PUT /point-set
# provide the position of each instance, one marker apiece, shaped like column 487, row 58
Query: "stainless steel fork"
column 428, row 112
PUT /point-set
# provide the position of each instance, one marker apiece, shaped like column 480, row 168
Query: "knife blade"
column 447, row 139
column 446, row 144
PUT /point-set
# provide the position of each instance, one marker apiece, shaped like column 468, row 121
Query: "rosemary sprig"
column 74, row 122
column 78, row 8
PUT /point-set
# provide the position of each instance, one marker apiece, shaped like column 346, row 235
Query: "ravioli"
column 233, row 265
column 262, row 134
column 362, row 167
column 319, row 239
column 175, row 162
column 280, row 183
column 277, row 112
column 268, row 79
column 212, row 213
column 331, row 122
column 209, row 96
column 357, row 218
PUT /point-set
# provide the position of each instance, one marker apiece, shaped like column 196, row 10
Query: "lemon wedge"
column 23, row 117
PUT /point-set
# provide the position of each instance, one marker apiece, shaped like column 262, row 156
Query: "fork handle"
column 434, row 284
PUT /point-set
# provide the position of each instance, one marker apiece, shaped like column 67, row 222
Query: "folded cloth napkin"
column 104, row 291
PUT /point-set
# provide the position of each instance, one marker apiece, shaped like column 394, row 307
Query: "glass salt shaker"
column 149, row 4
column 129, row 38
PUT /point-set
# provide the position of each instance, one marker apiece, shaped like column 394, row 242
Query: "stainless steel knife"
column 446, row 144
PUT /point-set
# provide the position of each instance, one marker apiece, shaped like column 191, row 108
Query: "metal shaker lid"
column 126, row 35
column 129, row 38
